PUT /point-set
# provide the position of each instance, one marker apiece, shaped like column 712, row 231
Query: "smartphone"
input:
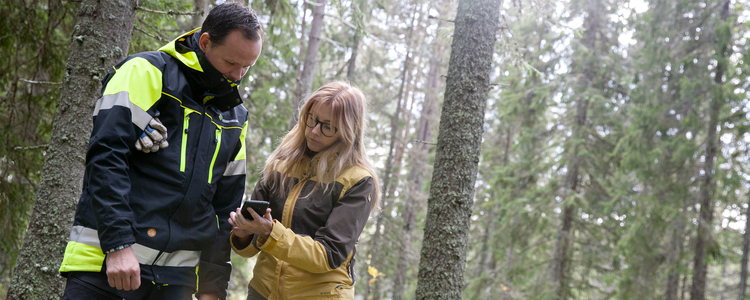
column 258, row 206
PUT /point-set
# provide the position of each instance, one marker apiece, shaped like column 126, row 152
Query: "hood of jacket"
column 206, row 82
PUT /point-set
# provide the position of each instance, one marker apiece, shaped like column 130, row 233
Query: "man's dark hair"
column 226, row 17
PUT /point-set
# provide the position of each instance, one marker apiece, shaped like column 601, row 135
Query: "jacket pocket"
column 185, row 132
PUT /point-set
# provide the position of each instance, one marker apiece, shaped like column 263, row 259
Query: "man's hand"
column 123, row 270
column 208, row 297
column 154, row 137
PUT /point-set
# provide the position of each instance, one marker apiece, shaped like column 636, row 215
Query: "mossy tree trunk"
column 100, row 39
column 443, row 255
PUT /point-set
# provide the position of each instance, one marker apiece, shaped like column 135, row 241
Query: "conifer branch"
column 148, row 34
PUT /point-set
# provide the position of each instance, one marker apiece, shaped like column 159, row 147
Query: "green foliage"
column 34, row 37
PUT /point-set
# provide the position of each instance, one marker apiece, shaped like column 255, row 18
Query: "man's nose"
column 237, row 74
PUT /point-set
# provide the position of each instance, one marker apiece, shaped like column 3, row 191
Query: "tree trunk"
column 723, row 277
column 745, row 250
column 684, row 287
column 298, row 75
column 418, row 161
column 357, row 12
column 199, row 6
column 700, row 268
column 311, row 57
column 673, row 260
column 102, row 31
column 375, row 248
column 443, row 256
column 378, row 260
column 353, row 59
column 563, row 241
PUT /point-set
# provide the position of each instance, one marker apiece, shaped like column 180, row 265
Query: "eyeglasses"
column 325, row 128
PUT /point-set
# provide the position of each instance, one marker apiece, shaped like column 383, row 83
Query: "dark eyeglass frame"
column 309, row 118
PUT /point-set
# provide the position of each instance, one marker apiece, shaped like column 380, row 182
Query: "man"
column 153, row 224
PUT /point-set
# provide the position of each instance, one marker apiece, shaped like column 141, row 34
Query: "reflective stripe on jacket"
column 310, row 252
column 172, row 205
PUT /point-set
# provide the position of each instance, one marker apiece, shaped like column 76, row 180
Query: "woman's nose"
column 316, row 129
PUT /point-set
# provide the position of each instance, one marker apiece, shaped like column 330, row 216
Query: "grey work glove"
column 154, row 137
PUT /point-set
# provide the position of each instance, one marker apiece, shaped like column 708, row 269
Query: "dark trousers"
column 94, row 286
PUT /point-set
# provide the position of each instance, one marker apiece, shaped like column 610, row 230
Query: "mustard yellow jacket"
column 310, row 252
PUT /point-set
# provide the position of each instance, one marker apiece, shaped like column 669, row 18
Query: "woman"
column 321, row 187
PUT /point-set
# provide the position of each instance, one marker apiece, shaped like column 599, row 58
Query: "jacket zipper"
column 288, row 224
column 184, row 140
column 216, row 153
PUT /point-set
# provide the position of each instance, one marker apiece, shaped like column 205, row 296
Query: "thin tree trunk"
column 311, row 57
column 745, row 250
column 102, row 30
column 723, row 277
column 378, row 260
column 673, row 260
column 375, row 249
column 684, row 287
column 378, row 244
column 700, row 268
column 356, row 11
column 200, row 7
column 418, row 162
column 487, row 261
column 563, row 241
column 353, row 59
column 298, row 75
column 443, row 255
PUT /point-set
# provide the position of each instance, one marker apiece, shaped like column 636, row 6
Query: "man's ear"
column 203, row 41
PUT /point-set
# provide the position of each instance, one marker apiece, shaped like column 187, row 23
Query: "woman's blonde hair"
column 348, row 106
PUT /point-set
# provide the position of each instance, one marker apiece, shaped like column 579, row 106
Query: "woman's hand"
column 242, row 227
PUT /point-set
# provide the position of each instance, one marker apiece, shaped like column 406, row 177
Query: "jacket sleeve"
column 332, row 243
column 261, row 193
column 215, row 266
column 122, row 113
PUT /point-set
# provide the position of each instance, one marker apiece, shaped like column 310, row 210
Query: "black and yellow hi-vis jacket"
column 172, row 205
column 310, row 252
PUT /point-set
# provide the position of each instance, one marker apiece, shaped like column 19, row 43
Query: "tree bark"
column 700, row 268
column 102, row 32
column 311, row 57
column 745, row 250
column 443, row 255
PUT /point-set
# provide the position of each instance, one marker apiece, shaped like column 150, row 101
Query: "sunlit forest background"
column 615, row 152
